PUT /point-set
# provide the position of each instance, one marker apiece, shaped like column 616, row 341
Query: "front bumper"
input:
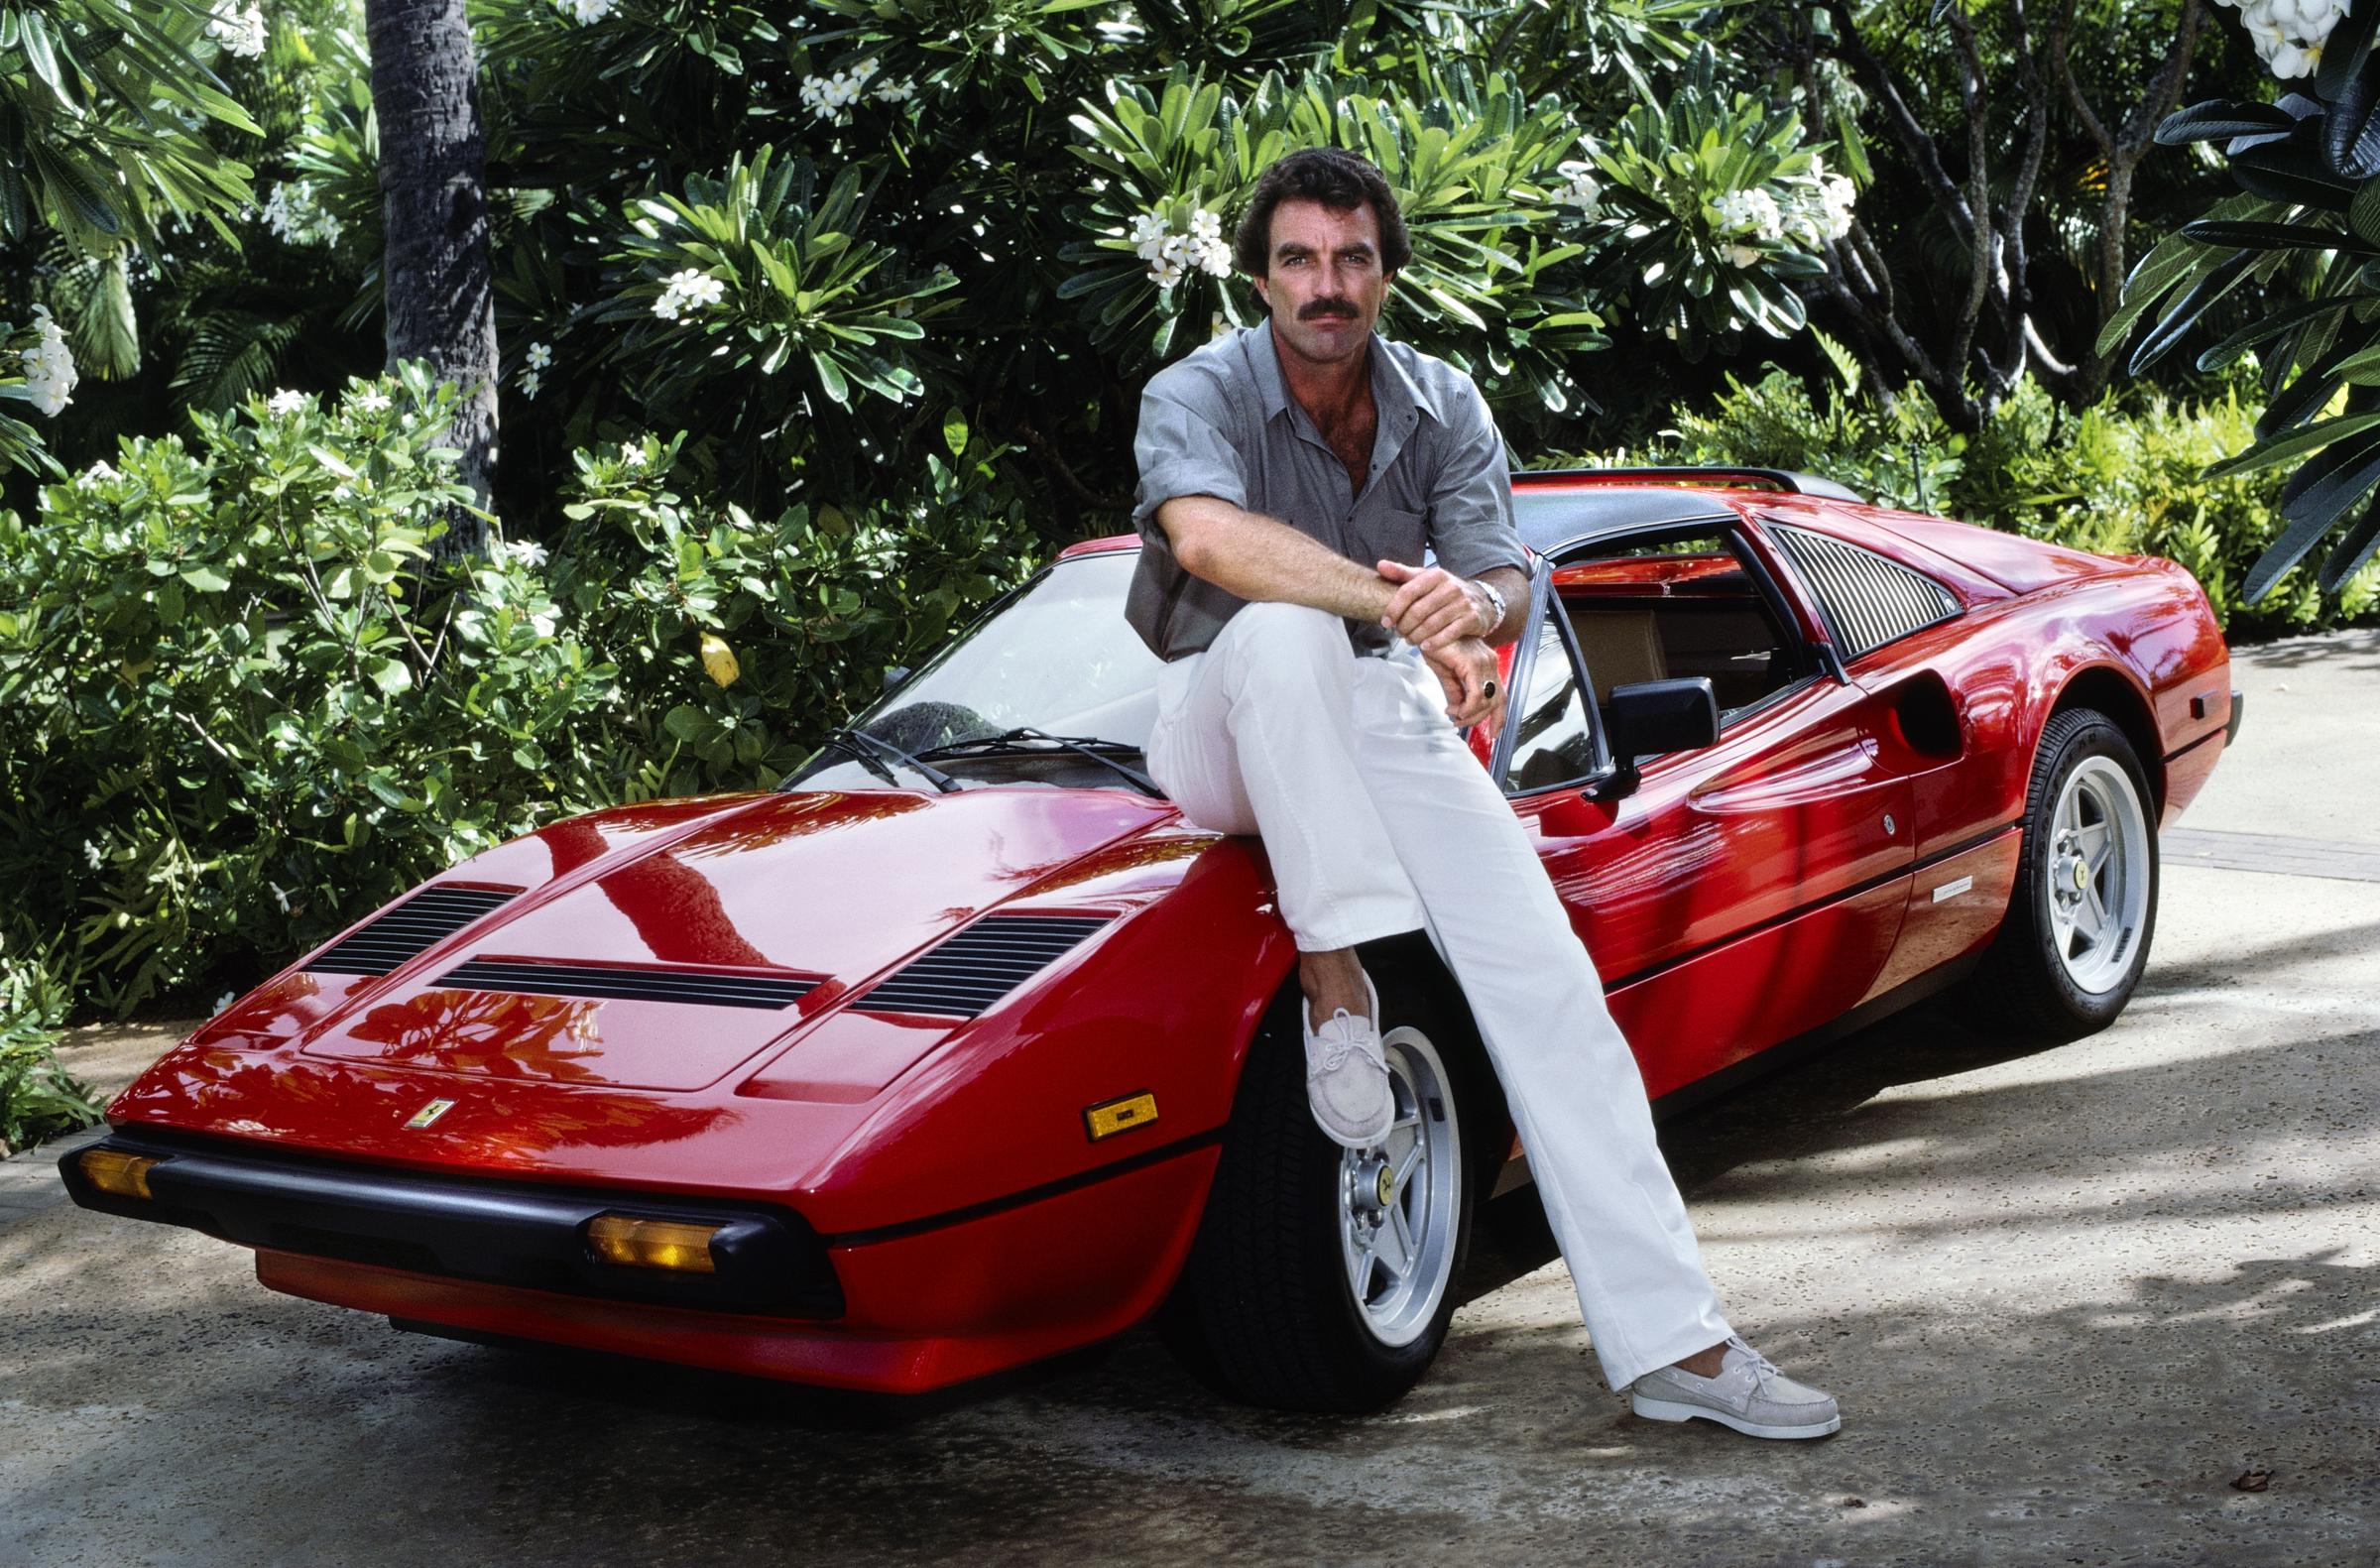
column 764, row 1259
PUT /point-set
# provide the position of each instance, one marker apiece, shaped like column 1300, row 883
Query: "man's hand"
column 1465, row 666
column 1433, row 608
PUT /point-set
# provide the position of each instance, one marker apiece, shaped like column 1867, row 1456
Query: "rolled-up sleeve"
column 1182, row 448
column 1471, row 500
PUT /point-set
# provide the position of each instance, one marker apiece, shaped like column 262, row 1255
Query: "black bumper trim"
column 765, row 1259
column 2239, row 710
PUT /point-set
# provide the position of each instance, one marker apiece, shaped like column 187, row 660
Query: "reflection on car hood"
column 662, row 948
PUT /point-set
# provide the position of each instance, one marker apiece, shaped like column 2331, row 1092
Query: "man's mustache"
column 1322, row 307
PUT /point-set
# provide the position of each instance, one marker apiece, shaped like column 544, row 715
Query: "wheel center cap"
column 2081, row 877
column 1385, row 1186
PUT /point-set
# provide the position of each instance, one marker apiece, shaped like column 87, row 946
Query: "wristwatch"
column 1493, row 598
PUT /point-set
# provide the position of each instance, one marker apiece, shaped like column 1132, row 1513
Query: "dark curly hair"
column 1339, row 181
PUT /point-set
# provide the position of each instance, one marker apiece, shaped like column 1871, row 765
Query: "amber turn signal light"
column 110, row 1170
column 1120, row 1115
column 653, row 1243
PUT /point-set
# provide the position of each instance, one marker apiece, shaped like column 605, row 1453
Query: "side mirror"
column 1655, row 716
column 895, row 674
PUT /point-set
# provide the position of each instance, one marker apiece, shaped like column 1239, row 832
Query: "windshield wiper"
column 1019, row 740
column 873, row 751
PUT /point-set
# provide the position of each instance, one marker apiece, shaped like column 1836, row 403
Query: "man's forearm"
column 1259, row 557
column 1263, row 558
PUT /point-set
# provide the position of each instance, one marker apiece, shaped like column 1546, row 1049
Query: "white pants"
column 1377, row 819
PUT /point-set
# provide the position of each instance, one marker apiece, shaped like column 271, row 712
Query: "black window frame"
column 1524, row 666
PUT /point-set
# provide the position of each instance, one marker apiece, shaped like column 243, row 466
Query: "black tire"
column 1264, row 1313
column 2023, row 986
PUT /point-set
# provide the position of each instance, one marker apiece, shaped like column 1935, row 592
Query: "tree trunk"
column 436, row 275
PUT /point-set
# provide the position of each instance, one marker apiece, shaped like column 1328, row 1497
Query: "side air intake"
column 983, row 963
column 1869, row 600
column 719, row 988
column 410, row 929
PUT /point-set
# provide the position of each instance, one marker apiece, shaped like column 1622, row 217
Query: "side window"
column 1677, row 605
column 1553, row 742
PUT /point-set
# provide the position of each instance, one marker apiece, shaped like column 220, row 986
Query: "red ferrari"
column 962, row 1047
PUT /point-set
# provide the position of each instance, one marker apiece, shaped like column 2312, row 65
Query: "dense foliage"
column 240, row 704
column 2306, row 222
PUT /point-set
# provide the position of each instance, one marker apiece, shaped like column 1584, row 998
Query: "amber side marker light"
column 1120, row 1115
column 653, row 1243
column 110, row 1170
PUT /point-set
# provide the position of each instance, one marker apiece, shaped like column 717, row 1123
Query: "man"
column 1314, row 682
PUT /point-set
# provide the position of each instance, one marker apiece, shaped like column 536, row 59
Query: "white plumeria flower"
column 92, row 852
column 585, row 12
column 287, row 402
column 1838, row 192
column 685, row 289
column 1579, row 187
column 537, row 356
column 632, row 456
column 892, row 90
column 1219, row 325
column 97, row 474
column 226, row 1000
column 371, row 399
column 279, row 896
column 295, row 215
column 1172, row 255
column 1752, row 211
column 50, row 373
column 531, row 383
column 2290, row 35
column 529, row 552
column 240, row 31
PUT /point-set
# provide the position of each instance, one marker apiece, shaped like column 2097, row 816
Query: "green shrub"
column 38, row 1100
column 241, row 706
column 2121, row 477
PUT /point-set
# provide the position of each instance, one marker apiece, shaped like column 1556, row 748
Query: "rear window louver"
column 1869, row 600
column 978, row 966
column 410, row 929
column 702, row 987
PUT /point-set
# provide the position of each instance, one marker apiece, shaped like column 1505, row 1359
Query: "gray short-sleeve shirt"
column 1220, row 423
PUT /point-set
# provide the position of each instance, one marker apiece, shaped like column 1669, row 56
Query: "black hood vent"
column 978, row 966
column 717, row 988
column 408, row 930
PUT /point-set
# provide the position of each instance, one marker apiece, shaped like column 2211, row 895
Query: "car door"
column 1902, row 639
column 1740, row 894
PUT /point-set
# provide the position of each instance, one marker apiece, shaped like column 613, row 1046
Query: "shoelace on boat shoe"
column 1339, row 1049
column 1763, row 1369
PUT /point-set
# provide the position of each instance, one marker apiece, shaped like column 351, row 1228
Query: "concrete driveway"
column 2113, row 1302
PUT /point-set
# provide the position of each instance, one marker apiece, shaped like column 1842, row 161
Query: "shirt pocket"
column 1389, row 533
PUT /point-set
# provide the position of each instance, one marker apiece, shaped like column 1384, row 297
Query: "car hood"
column 663, row 949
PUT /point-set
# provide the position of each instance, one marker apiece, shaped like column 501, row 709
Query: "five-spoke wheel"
column 2077, row 935
column 1399, row 1200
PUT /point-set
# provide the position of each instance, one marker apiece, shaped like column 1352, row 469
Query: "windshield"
column 1057, row 658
